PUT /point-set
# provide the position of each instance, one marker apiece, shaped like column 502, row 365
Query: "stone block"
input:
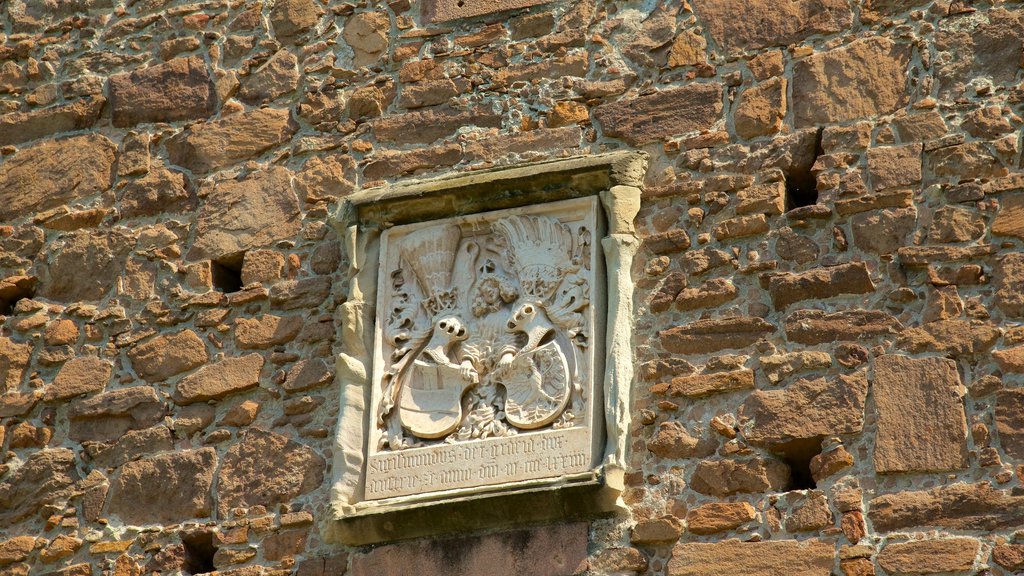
column 921, row 421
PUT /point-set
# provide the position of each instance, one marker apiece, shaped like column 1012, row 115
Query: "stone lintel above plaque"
column 487, row 341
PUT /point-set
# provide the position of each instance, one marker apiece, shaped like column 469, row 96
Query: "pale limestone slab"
column 487, row 348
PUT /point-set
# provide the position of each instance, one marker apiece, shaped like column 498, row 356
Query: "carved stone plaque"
column 484, row 350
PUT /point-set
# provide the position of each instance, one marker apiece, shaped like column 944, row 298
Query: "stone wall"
column 830, row 291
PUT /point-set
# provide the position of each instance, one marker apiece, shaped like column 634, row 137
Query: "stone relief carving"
column 487, row 347
column 487, row 329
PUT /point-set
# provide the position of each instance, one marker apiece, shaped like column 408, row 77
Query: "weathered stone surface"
column 132, row 445
column 1010, row 220
column 765, row 198
column 326, row 177
column 391, row 163
column 614, row 560
column 828, row 463
column 663, row 114
column 1009, row 275
column 240, row 215
column 291, row 18
column 184, row 478
column 305, row 293
column 1009, row 556
column 367, row 34
column 426, row 126
column 553, row 550
column 894, row 166
column 715, row 517
column 805, row 411
column 16, row 549
column 778, row 367
column 929, row 556
column 266, row 331
column 1010, row 421
column 308, row 374
column 84, row 265
column 699, row 385
column 963, row 162
column 46, row 477
column 14, row 358
column 656, row 530
column 865, row 78
column 921, row 421
column 950, row 337
column 705, row 336
column 727, row 477
column 952, row 224
column 54, row 173
column 220, row 379
column 168, row 355
column 668, row 242
column 772, row 23
column 80, row 375
column 265, row 469
column 810, row 513
column 671, row 440
column 761, row 109
column 980, row 48
column 109, row 415
column 957, row 506
column 177, row 90
column 275, row 77
column 18, row 127
column 262, row 266
column 819, row 327
column 883, row 231
column 741, row 226
column 852, row 278
column 210, row 146
column 737, row 558
column 160, row 191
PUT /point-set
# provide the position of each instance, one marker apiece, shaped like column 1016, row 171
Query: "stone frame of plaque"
column 487, row 368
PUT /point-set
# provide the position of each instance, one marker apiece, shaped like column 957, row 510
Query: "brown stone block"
column 865, row 78
column 700, row 385
column 1010, row 421
column 727, row 477
column 218, row 380
column 957, row 506
column 921, row 421
column 210, row 146
column 177, row 90
column 18, row 127
column 663, row 114
column 77, row 376
column 712, row 335
column 46, row 477
column 737, row 558
column 805, row 411
column 1009, row 274
column 428, row 125
column 168, row 355
column 851, row 278
column 265, row 469
column 929, row 556
column 717, row 517
column 183, row 480
column 770, row 23
column 819, row 327
column 239, row 215
column 53, row 173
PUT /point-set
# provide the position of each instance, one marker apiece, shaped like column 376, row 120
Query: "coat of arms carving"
column 485, row 330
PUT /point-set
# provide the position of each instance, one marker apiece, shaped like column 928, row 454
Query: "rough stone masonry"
column 830, row 303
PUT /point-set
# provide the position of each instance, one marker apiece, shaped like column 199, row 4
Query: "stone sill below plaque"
column 368, row 222
column 583, row 496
